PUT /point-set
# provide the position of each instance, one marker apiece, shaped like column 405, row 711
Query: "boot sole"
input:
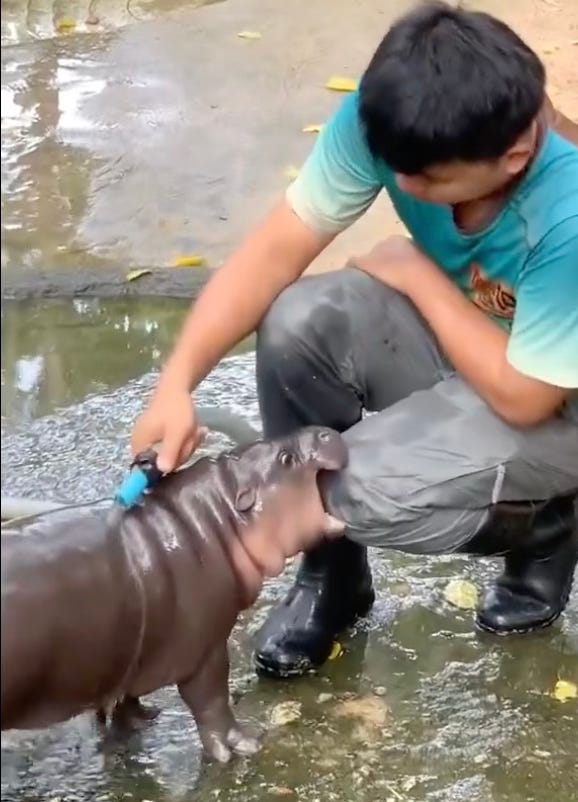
column 503, row 633
column 272, row 671
column 535, row 627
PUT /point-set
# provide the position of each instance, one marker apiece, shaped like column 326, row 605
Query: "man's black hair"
column 448, row 84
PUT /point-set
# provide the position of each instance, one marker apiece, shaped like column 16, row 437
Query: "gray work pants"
column 426, row 469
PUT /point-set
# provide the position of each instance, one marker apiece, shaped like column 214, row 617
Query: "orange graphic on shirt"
column 491, row 297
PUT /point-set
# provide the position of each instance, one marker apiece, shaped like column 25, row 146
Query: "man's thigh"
column 345, row 328
column 424, row 473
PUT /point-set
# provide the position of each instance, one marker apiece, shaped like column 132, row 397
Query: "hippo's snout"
column 329, row 449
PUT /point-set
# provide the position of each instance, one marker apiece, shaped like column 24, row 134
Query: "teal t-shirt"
column 522, row 269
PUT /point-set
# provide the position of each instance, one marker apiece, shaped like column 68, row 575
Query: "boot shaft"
column 530, row 527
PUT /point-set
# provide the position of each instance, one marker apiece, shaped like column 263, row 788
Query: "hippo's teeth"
column 332, row 526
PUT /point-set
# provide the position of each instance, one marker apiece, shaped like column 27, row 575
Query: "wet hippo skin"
column 100, row 608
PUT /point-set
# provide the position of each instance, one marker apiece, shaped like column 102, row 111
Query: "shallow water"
column 418, row 707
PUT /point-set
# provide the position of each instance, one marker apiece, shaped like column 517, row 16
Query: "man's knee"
column 312, row 309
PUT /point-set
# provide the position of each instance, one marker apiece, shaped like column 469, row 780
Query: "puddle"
column 30, row 20
column 58, row 352
column 418, row 707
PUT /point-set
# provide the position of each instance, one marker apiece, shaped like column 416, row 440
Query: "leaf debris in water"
column 136, row 274
column 250, row 35
column 565, row 690
column 461, row 593
column 65, row 24
column 285, row 713
column 311, row 129
column 336, row 650
column 338, row 83
column 192, row 260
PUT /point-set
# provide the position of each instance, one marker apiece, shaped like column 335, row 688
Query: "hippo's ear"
column 245, row 498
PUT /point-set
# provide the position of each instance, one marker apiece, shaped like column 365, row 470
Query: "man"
column 463, row 339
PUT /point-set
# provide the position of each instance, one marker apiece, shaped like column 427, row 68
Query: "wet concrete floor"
column 418, row 708
column 145, row 142
column 134, row 132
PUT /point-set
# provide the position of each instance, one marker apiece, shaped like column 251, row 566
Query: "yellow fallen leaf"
column 461, row 593
column 311, row 129
column 337, row 83
column 285, row 713
column 250, row 35
column 65, row 24
column 136, row 274
column 193, row 260
column 564, row 690
column 291, row 172
column 336, row 650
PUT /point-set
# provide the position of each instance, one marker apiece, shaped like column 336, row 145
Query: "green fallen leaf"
column 136, row 274
column 461, row 593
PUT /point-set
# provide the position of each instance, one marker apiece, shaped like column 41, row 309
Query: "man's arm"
column 334, row 188
column 525, row 376
column 232, row 304
column 477, row 347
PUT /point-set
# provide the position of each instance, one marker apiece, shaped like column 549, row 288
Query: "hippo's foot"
column 131, row 714
column 221, row 745
column 207, row 697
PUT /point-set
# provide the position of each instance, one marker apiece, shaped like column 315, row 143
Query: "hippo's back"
column 69, row 611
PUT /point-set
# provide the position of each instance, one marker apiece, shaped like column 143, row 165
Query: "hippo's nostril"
column 324, row 436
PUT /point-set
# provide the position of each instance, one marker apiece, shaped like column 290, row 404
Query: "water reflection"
column 55, row 353
column 46, row 170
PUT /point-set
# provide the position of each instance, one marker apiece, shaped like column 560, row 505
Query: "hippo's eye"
column 286, row 458
column 324, row 436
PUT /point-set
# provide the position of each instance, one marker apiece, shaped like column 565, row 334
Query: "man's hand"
column 170, row 422
column 396, row 262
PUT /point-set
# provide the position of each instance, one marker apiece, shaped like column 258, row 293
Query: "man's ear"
column 519, row 154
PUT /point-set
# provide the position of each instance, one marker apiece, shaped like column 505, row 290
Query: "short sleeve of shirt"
column 338, row 181
column 544, row 338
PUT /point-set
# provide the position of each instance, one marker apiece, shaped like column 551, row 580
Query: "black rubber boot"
column 332, row 589
column 540, row 543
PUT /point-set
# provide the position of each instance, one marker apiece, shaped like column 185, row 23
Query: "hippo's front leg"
column 207, row 696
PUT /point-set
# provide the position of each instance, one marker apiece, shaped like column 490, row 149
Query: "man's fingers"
column 170, row 452
column 187, row 449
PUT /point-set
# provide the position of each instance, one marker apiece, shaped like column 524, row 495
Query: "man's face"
column 457, row 182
